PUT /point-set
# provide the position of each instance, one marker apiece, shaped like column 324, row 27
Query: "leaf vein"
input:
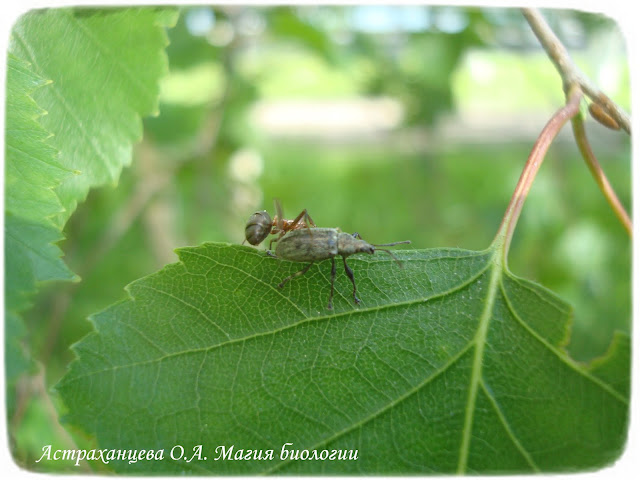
column 507, row 427
column 232, row 267
column 131, row 77
column 409, row 393
column 187, row 304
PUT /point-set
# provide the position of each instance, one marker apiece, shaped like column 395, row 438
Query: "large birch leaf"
column 450, row 364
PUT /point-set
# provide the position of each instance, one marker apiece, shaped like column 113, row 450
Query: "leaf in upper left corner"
column 105, row 66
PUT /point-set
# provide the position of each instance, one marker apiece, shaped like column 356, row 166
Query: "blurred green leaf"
column 31, row 174
column 77, row 83
column 449, row 364
column 285, row 24
column 186, row 49
column 167, row 130
column 66, row 60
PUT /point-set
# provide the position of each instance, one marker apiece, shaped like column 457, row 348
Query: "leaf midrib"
column 479, row 342
column 409, row 393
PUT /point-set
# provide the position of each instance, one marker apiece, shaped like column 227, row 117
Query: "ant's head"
column 258, row 227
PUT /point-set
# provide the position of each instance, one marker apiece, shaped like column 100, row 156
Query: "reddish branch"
column 574, row 81
column 536, row 157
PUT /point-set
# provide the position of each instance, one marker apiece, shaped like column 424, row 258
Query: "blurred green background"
column 396, row 122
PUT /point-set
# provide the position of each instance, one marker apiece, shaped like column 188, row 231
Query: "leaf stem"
column 568, row 71
column 536, row 157
column 590, row 159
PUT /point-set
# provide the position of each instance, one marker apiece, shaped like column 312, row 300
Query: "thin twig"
column 572, row 78
column 33, row 389
column 567, row 69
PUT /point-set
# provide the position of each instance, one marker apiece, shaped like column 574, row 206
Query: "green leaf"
column 77, row 83
column 104, row 66
column 287, row 24
column 450, row 364
column 31, row 175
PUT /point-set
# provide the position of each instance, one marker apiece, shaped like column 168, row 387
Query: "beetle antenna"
column 389, row 251
column 392, row 255
column 390, row 244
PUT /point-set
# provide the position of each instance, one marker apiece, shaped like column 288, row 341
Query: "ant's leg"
column 333, row 278
column 280, row 233
column 349, row 273
column 308, row 222
column 296, row 220
column 308, row 219
column 356, row 235
column 297, row 274
column 303, row 214
column 278, row 221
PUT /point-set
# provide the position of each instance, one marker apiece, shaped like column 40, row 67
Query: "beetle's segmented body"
column 317, row 244
column 311, row 245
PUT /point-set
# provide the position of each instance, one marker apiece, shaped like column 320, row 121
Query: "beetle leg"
column 356, row 235
column 349, row 273
column 333, row 278
column 297, row 274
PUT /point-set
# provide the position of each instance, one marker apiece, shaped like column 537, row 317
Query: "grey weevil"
column 317, row 244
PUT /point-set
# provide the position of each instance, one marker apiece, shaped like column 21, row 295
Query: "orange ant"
column 260, row 225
